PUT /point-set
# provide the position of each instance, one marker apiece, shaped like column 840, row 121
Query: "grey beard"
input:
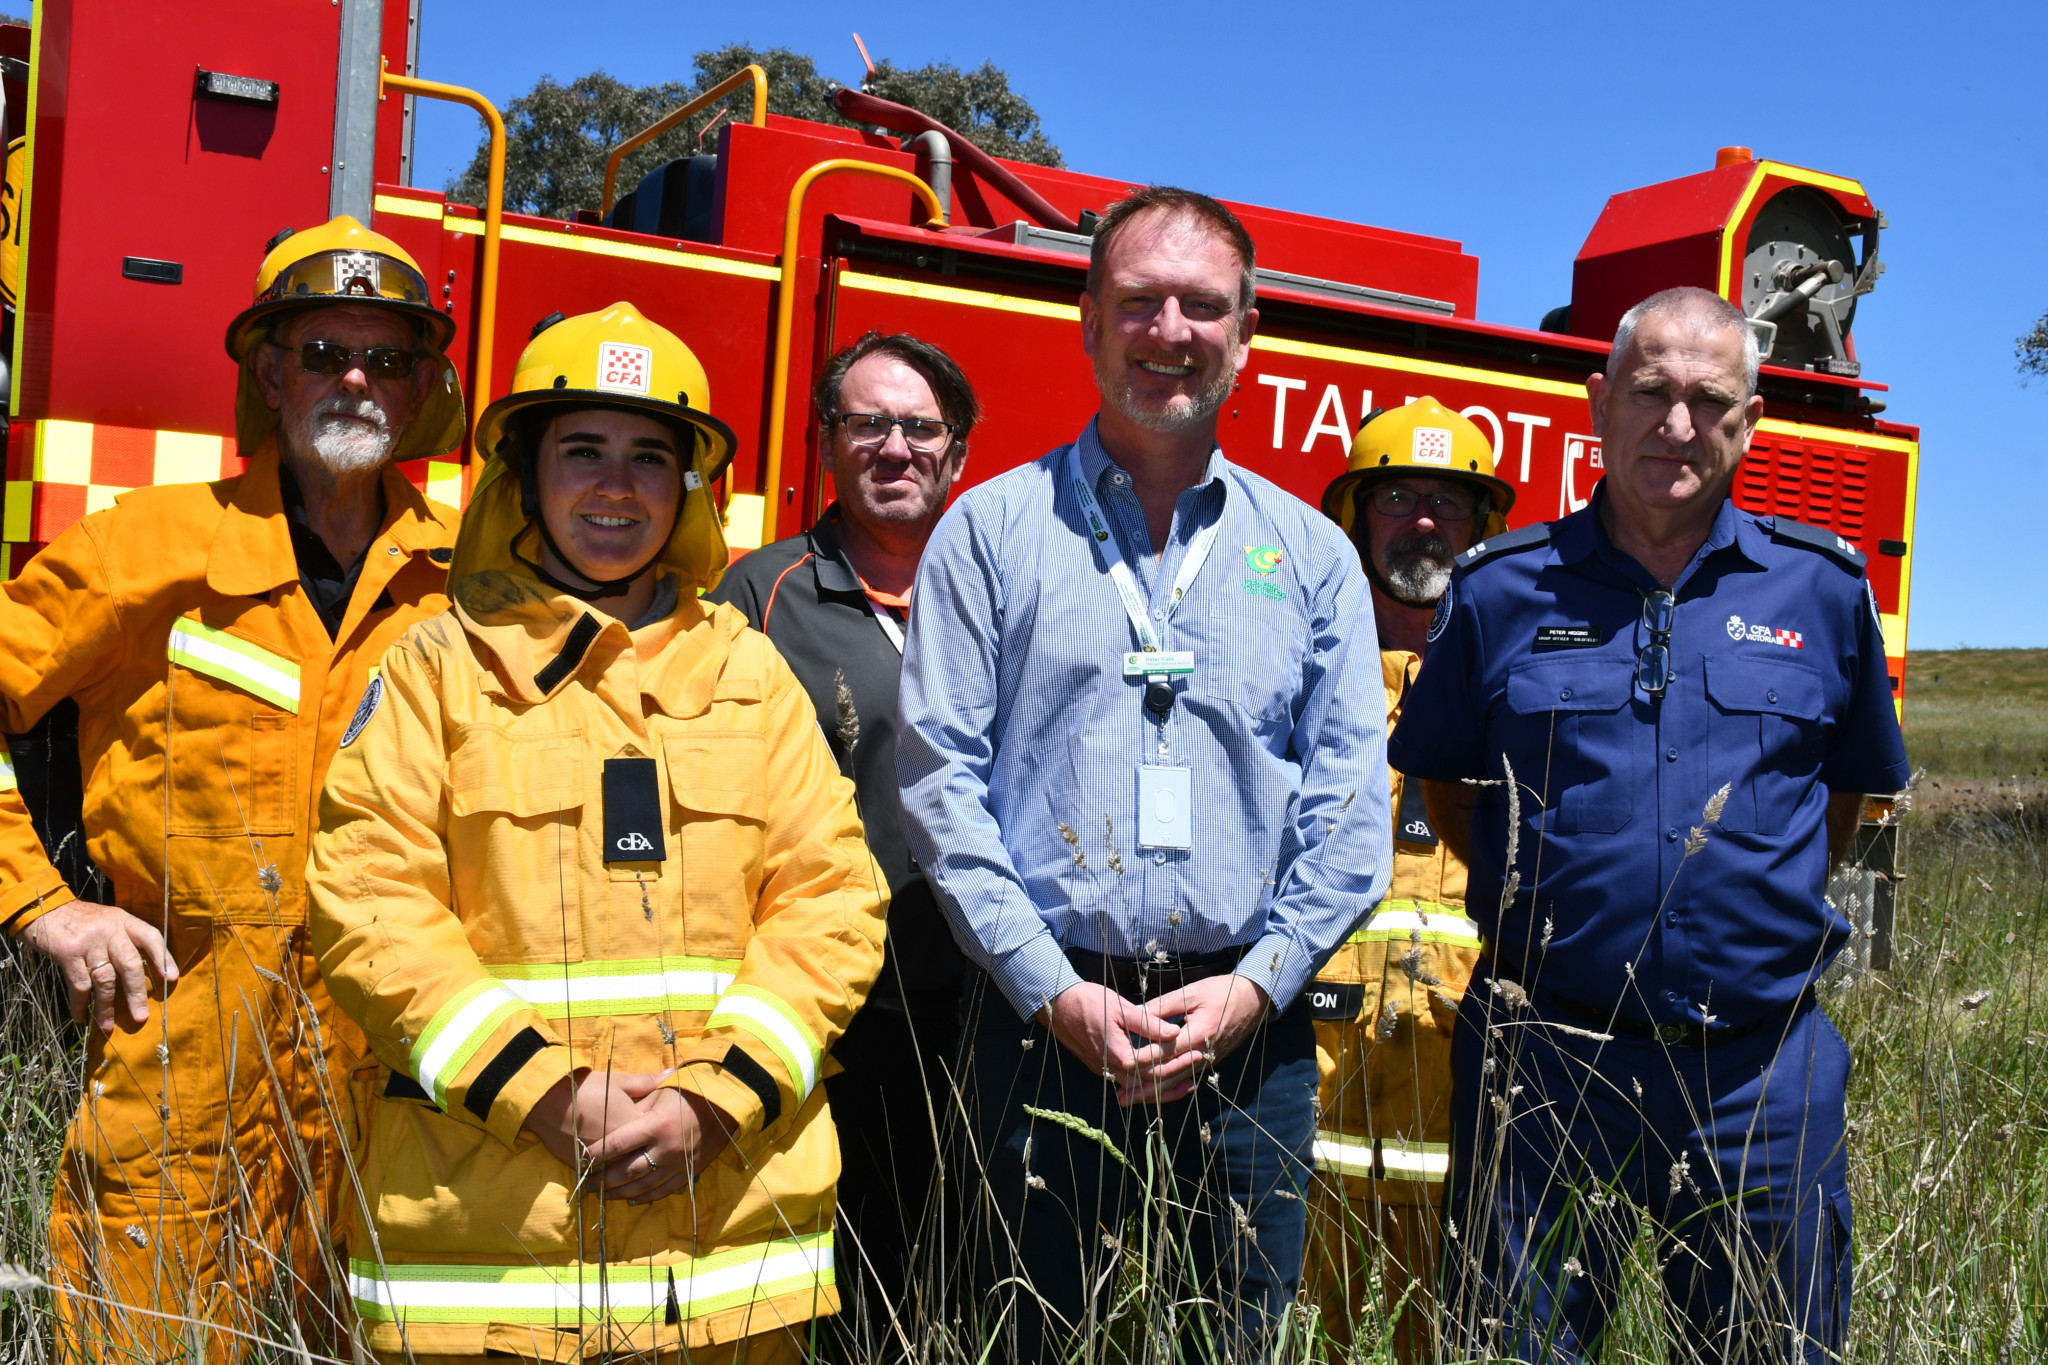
column 1418, row 571
column 1201, row 408
column 344, row 447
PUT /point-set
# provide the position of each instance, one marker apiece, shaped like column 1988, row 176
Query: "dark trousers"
column 1735, row 1151
column 1216, row 1183
column 892, row 1247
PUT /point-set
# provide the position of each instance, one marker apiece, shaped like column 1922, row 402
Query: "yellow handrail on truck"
column 494, row 224
column 785, row 310
column 670, row 120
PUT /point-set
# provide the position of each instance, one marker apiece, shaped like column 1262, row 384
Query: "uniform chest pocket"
column 231, row 735
column 523, row 776
column 1765, row 737
column 1576, row 710
column 1254, row 660
column 718, row 784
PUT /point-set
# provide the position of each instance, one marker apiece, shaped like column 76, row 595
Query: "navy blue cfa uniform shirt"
column 1778, row 691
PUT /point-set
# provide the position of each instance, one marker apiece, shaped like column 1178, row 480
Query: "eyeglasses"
column 1653, row 664
column 1395, row 501
column 925, row 435
column 331, row 357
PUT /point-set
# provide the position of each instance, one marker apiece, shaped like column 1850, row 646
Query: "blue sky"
column 1506, row 126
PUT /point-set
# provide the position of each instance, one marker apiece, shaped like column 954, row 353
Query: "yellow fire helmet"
column 343, row 262
column 1422, row 438
column 614, row 358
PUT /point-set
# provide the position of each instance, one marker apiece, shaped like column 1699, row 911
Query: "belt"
column 1142, row 979
column 1688, row 1034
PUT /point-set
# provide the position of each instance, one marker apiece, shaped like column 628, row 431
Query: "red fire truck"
column 162, row 149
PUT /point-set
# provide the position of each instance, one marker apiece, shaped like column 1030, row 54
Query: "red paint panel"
column 1689, row 206
column 726, row 319
column 124, row 457
column 1605, row 287
column 129, row 163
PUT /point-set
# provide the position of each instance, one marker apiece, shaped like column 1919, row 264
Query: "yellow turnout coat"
column 464, row 915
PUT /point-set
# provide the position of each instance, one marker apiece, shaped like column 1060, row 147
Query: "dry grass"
column 1948, row 1101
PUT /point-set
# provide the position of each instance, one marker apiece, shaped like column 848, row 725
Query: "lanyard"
column 1120, row 572
column 889, row 626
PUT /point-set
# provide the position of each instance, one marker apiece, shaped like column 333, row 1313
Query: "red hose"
column 866, row 108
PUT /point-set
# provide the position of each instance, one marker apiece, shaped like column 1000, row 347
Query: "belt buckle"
column 1671, row 1033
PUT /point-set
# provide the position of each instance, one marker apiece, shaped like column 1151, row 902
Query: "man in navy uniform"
column 1671, row 710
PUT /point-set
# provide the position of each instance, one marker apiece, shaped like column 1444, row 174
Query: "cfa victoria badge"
column 366, row 708
column 1443, row 615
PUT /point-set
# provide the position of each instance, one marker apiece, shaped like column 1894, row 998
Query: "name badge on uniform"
column 1335, row 1002
column 1166, row 806
column 1145, row 663
column 633, row 821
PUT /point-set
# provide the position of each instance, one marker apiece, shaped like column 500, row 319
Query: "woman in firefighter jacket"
column 589, row 880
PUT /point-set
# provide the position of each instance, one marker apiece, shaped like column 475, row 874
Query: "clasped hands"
column 633, row 1137
column 1151, row 1058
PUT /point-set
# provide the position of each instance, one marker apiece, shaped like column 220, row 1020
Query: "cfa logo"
column 1323, row 1000
column 624, row 367
column 1418, row 829
column 636, row 842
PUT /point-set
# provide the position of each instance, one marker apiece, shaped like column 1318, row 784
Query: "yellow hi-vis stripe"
column 1401, row 921
column 236, row 662
column 7, row 780
column 570, row 1296
column 1400, row 1158
column 776, row 1024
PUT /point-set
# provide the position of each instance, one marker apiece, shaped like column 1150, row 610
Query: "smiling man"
column 217, row 638
column 1142, row 758
column 894, row 415
column 1677, row 708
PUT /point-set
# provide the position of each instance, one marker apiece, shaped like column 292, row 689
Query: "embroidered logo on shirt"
column 1259, row 587
column 1443, row 615
column 1738, row 629
column 1262, row 559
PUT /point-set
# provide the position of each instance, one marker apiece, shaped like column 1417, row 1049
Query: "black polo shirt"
column 803, row 594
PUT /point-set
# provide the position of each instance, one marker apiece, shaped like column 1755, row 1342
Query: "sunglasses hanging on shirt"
column 1653, row 662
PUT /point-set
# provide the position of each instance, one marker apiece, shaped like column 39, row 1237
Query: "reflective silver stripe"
column 637, row 986
column 776, row 1024
column 553, row 1295
column 7, row 780
column 1399, row 1158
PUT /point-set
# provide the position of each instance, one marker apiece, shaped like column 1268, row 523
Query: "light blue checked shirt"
column 1020, row 737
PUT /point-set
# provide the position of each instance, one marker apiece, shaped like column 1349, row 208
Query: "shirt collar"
column 835, row 572
column 1095, row 461
column 252, row 550
column 1582, row 535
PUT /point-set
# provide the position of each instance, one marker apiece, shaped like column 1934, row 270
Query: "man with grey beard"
column 1419, row 491
column 1142, row 762
column 222, row 641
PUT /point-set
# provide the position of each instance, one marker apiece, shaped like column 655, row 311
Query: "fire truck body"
column 165, row 151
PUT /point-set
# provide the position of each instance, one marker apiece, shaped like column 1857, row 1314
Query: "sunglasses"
column 1653, row 663
column 331, row 357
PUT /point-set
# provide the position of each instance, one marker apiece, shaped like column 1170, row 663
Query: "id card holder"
column 1166, row 806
